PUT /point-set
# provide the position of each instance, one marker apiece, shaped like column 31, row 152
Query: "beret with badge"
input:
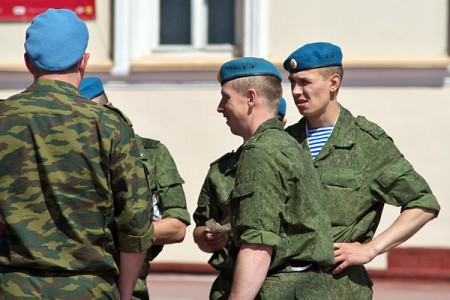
column 91, row 87
column 245, row 67
column 314, row 55
column 56, row 40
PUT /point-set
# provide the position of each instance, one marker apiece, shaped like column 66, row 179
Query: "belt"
column 294, row 266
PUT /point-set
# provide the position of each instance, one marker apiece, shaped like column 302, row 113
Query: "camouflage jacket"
column 71, row 184
column 278, row 200
column 361, row 169
column 164, row 182
column 213, row 202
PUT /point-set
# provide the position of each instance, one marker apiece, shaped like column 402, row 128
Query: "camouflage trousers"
column 353, row 283
column 221, row 287
column 140, row 290
column 307, row 285
column 53, row 285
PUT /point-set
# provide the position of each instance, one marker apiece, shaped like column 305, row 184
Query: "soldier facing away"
column 170, row 214
column 72, row 187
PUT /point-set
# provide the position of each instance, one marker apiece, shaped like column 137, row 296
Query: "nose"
column 220, row 107
column 297, row 89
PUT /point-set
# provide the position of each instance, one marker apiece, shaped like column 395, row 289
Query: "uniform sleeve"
column 133, row 211
column 401, row 185
column 169, row 189
column 203, row 211
column 257, row 200
column 213, row 199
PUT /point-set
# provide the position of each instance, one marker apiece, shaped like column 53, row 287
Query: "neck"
column 327, row 118
column 256, row 122
column 69, row 78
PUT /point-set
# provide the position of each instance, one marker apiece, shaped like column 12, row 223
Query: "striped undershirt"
column 317, row 137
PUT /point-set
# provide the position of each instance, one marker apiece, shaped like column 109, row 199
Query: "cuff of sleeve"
column 266, row 238
column 178, row 213
column 428, row 201
column 136, row 244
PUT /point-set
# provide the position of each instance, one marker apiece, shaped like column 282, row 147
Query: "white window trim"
column 136, row 34
column 255, row 28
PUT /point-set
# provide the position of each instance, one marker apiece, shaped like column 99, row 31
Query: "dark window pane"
column 220, row 21
column 175, row 22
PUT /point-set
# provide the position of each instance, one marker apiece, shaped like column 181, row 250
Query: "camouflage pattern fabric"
column 276, row 179
column 165, row 183
column 361, row 169
column 213, row 202
column 72, row 189
column 306, row 285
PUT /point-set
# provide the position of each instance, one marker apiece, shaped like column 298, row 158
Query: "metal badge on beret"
column 218, row 77
column 293, row 63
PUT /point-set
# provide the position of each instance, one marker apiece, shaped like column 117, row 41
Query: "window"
column 150, row 29
column 196, row 24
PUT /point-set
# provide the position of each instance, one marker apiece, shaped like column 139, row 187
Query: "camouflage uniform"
column 277, row 202
column 71, row 189
column 361, row 169
column 213, row 203
column 166, row 185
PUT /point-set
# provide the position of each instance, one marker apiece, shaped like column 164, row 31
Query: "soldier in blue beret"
column 170, row 214
column 72, row 186
column 360, row 167
column 212, row 207
column 280, row 233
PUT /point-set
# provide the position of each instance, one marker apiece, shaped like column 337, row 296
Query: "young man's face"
column 234, row 108
column 311, row 92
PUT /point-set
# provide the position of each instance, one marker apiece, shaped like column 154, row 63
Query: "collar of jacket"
column 267, row 124
column 343, row 136
column 53, row 86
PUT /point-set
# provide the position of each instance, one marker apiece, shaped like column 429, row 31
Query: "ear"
column 252, row 97
column 83, row 64
column 335, row 82
column 28, row 63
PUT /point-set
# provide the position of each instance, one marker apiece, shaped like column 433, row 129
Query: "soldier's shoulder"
column 120, row 113
column 226, row 157
column 149, row 143
column 368, row 126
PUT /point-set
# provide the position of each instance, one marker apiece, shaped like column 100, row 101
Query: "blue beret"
column 56, row 40
column 282, row 107
column 91, row 87
column 315, row 55
column 245, row 67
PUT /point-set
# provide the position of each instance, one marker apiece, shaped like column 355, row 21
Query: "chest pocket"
column 342, row 177
column 242, row 189
column 342, row 189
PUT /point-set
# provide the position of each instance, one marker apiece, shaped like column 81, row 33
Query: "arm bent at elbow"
column 404, row 227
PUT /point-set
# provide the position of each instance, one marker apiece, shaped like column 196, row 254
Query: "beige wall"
column 12, row 35
column 381, row 30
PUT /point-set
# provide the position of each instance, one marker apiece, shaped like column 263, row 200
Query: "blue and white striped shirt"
column 317, row 137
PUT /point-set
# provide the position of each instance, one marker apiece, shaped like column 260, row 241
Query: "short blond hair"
column 268, row 87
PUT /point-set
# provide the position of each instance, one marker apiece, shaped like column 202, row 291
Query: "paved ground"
column 196, row 287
